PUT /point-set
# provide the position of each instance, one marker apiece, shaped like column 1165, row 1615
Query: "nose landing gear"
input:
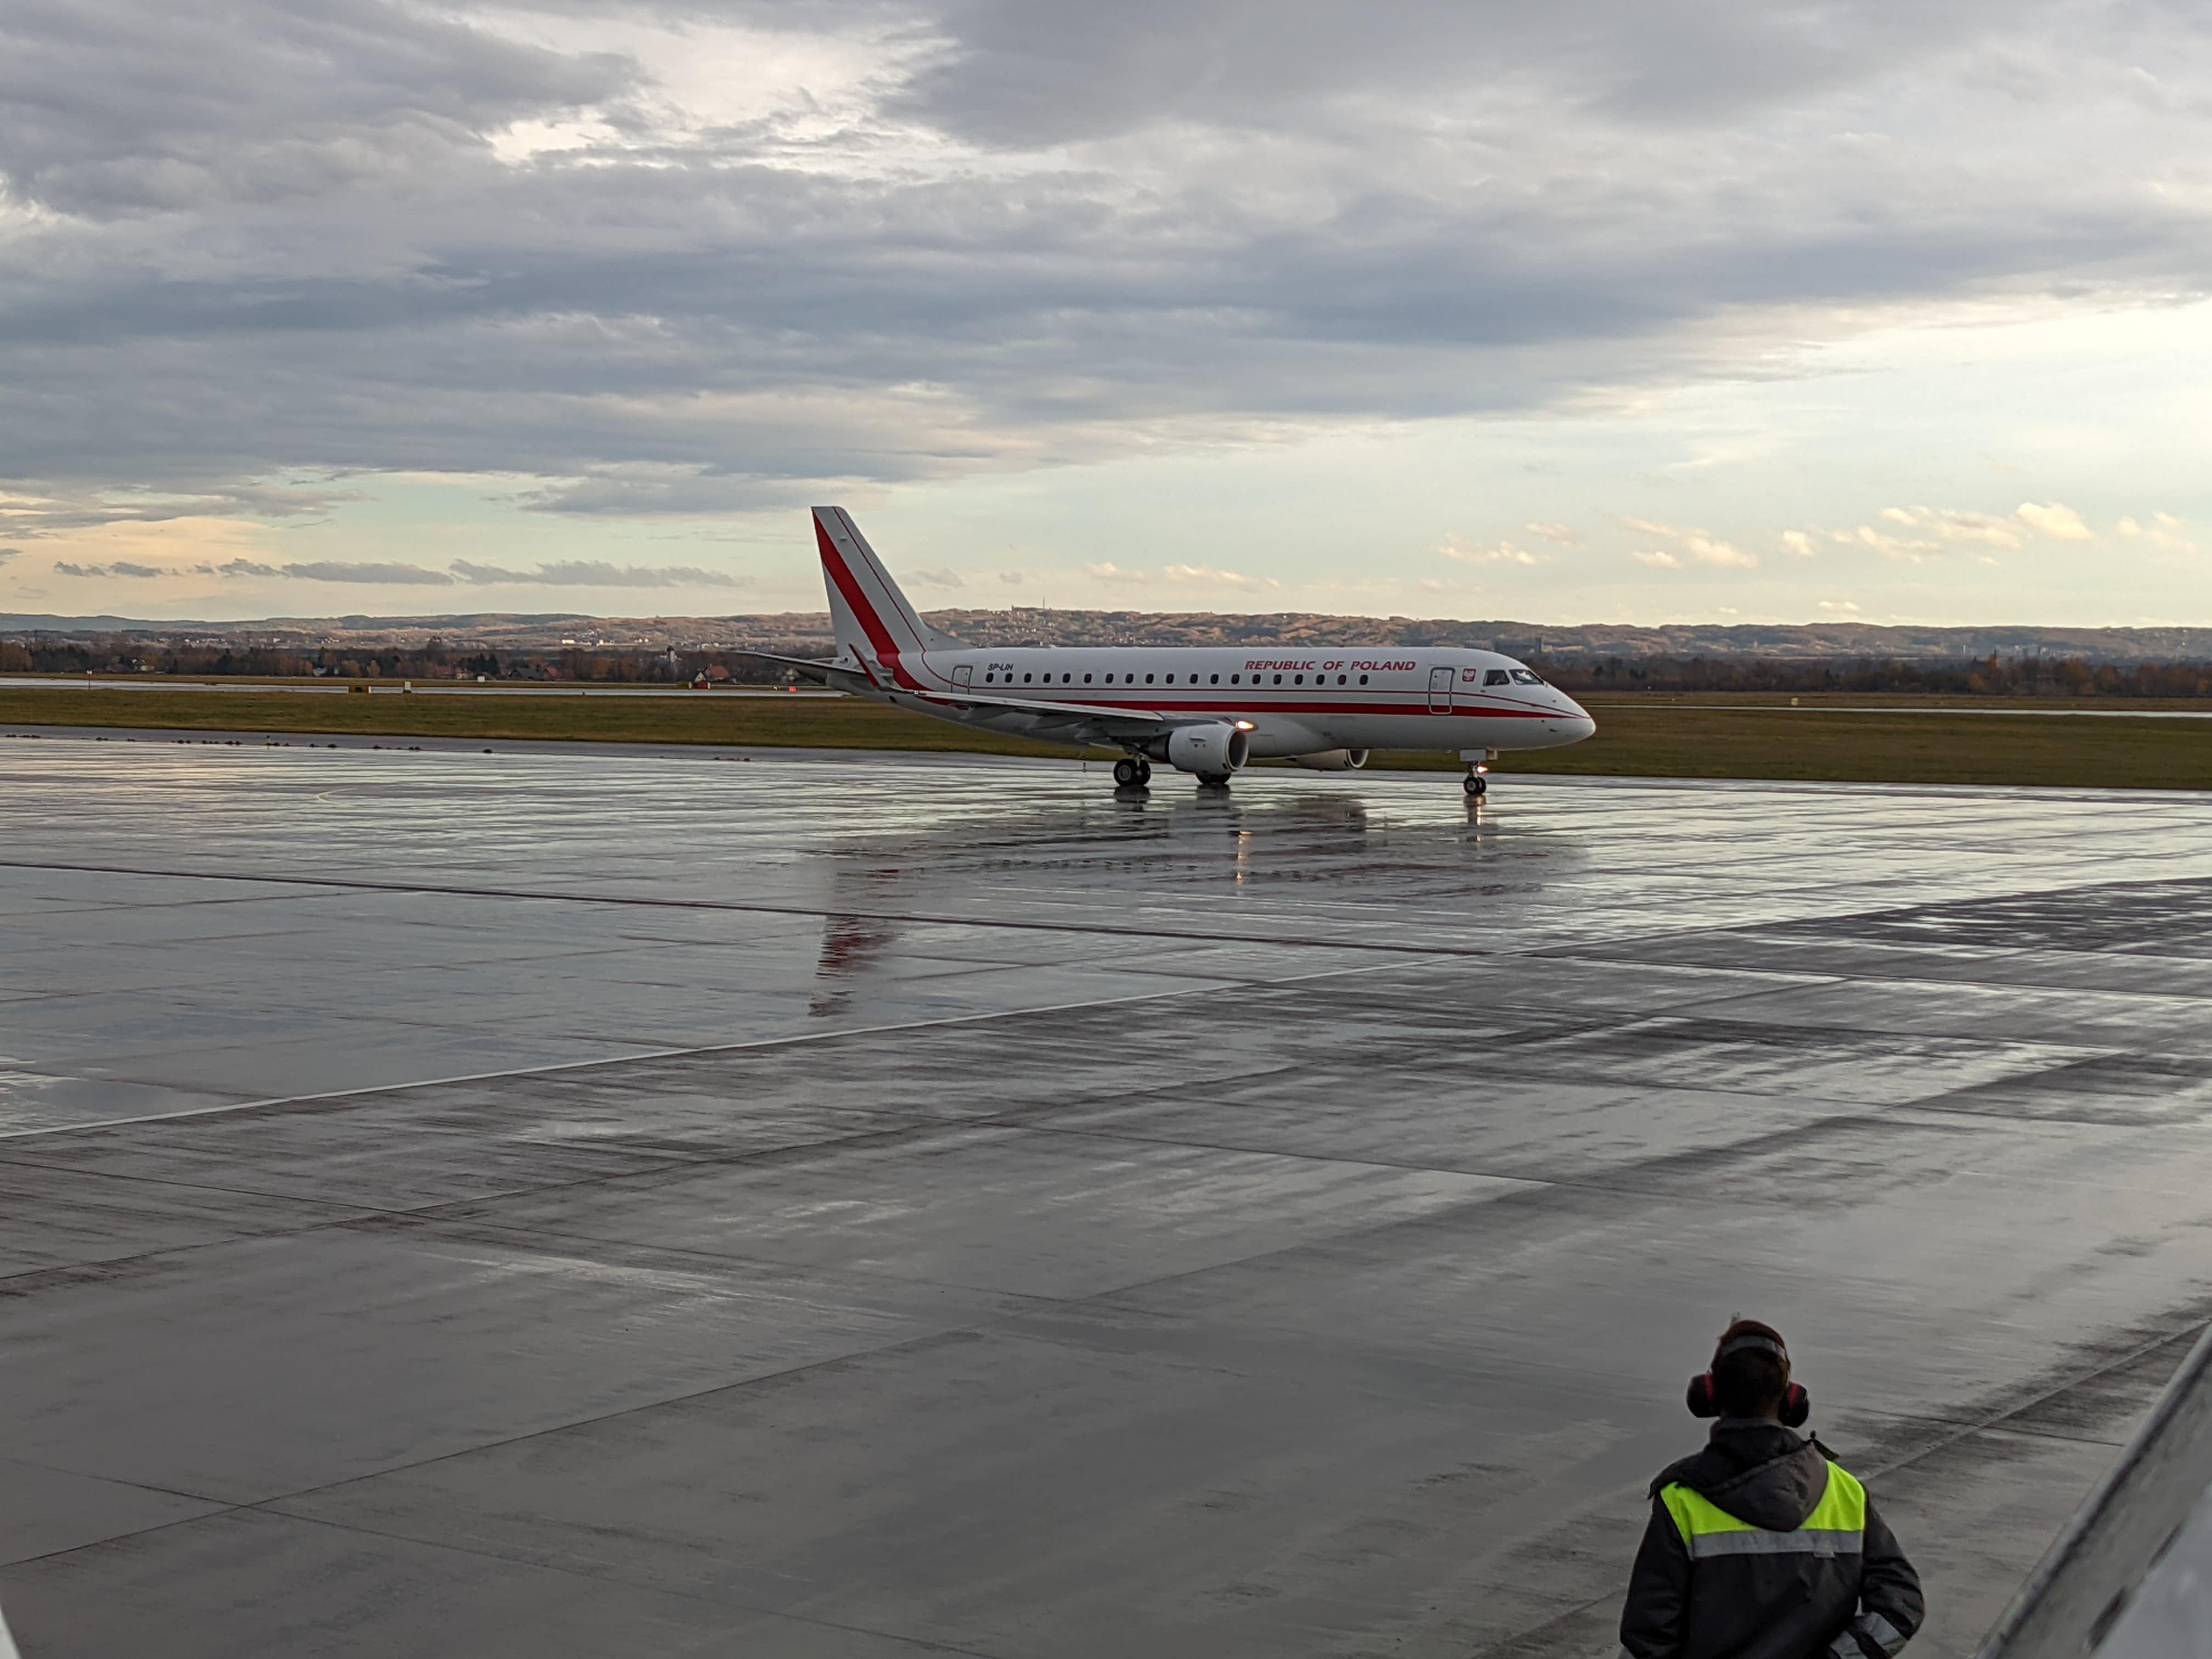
column 1477, row 763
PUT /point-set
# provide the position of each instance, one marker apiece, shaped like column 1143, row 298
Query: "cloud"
column 1205, row 575
column 7, row 553
column 1696, row 544
column 664, row 259
column 2164, row 531
column 120, row 568
column 75, row 506
column 1564, row 534
column 942, row 576
column 595, row 573
column 1657, row 561
column 1909, row 549
column 1798, row 542
column 1953, row 524
column 1012, row 578
column 1114, row 575
column 374, row 575
column 2060, row 523
column 1839, row 607
column 1497, row 553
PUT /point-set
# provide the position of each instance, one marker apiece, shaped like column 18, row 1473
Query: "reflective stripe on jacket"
column 1837, row 1525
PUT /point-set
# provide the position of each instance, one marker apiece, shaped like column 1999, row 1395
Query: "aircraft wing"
column 1039, row 705
column 1106, row 719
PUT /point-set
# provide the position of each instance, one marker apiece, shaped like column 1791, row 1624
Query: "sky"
column 1594, row 310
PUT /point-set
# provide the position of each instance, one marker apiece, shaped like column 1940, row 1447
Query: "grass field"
column 1638, row 737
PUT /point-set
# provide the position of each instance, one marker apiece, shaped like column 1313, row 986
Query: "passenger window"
column 1362, row 680
column 1298, row 679
column 1523, row 677
column 1214, row 679
column 1086, row 678
column 1278, row 679
column 1496, row 676
column 1148, row 679
column 1065, row 678
column 1236, row 679
column 1025, row 679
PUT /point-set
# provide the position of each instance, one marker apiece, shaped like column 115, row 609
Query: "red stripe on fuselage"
column 1260, row 705
column 879, row 637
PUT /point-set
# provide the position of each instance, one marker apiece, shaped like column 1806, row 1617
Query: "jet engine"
column 1332, row 760
column 1216, row 749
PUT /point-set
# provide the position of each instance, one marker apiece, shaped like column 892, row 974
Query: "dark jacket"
column 1757, row 1596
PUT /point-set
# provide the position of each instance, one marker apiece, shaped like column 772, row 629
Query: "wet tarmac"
column 561, row 1203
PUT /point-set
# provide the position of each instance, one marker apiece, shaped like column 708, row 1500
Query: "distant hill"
column 807, row 633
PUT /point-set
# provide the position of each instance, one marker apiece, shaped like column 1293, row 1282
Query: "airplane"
column 1207, row 710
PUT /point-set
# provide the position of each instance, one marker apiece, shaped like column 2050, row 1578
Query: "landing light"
column 1244, row 725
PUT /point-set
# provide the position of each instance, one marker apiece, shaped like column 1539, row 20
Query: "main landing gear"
column 1132, row 772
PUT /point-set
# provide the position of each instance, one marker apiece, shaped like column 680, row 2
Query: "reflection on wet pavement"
column 839, row 1206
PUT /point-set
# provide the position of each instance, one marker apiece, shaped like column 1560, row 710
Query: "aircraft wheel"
column 1126, row 774
column 1143, row 773
column 1477, row 786
column 1213, row 780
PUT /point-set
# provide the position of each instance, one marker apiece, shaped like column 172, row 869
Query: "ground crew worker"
column 1759, row 1547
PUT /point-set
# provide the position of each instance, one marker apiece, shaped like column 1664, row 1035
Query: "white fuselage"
column 1297, row 701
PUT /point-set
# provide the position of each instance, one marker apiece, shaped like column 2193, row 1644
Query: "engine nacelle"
column 1332, row 760
column 1217, row 748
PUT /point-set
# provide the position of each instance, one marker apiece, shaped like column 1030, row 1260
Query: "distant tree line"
column 433, row 660
column 1989, row 676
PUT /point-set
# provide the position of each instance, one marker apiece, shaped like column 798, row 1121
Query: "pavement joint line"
column 435, row 1209
column 1846, row 1112
column 925, row 1644
column 112, row 1479
column 2195, row 1329
column 1038, row 1302
column 1033, row 1301
column 358, row 884
column 267, row 1506
column 788, row 1039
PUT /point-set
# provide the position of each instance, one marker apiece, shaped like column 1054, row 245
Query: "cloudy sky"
column 1586, row 311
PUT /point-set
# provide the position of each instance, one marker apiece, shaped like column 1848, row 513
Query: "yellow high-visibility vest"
column 1837, row 1525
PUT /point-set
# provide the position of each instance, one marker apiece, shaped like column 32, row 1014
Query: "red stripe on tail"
column 879, row 637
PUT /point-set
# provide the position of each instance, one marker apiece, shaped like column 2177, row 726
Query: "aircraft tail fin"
column 872, row 619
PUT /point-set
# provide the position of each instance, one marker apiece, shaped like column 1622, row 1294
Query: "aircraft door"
column 1440, row 689
column 963, row 675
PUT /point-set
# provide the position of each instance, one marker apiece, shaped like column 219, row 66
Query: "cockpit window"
column 1496, row 676
column 1523, row 677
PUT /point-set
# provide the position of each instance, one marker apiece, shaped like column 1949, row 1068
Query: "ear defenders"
column 1704, row 1402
